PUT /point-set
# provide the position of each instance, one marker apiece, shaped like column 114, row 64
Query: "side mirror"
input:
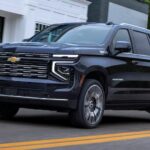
column 122, row 46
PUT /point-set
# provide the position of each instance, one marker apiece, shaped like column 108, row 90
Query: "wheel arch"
column 100, row 74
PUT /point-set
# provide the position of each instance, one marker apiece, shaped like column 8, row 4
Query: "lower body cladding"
column 38, row 93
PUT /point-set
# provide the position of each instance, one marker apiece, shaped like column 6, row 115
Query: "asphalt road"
column 44, row 127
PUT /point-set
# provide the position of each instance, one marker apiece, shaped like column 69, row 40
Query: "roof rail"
column 131, row 25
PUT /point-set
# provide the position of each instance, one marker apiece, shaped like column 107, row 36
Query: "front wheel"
column 91, row 105
column 8, row 111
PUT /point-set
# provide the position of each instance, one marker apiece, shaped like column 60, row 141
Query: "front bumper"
column 39, row 93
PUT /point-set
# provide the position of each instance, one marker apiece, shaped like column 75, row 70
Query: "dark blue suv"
column 79, row 68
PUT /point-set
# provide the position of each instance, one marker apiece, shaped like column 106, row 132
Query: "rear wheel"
column 91, row 105
column 7, row 111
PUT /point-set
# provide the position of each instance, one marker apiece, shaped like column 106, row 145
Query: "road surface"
column 36, row 129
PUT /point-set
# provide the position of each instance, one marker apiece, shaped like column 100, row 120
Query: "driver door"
column 123, row 74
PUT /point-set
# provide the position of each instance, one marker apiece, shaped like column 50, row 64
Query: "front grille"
column 24, row 55
column 31, row 65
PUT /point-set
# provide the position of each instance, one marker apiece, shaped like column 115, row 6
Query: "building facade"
column 118, row 11
column 20, row 19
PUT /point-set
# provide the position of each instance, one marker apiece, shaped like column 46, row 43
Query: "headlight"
column 62, row 70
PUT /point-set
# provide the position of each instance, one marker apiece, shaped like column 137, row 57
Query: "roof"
column 125, row 25
column 134, row 27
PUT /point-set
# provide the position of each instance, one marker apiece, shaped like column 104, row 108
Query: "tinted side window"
column 142, row 45
column 122, row 35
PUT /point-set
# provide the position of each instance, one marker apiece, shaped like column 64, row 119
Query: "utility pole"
column 98, row 11
column 148, row 3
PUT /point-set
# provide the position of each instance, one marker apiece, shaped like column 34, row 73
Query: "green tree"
column 148, row 3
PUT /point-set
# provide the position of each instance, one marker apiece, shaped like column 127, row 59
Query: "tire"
column 91, row 105
column 7, row 111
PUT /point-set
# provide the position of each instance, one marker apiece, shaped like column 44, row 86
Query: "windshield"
column 90, row 34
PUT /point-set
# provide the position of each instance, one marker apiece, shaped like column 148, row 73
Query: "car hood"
column 54, row 48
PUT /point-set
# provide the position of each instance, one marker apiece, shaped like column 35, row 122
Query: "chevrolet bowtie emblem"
column 13, row 59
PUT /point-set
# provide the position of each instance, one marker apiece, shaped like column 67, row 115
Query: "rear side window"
column 141, row 42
